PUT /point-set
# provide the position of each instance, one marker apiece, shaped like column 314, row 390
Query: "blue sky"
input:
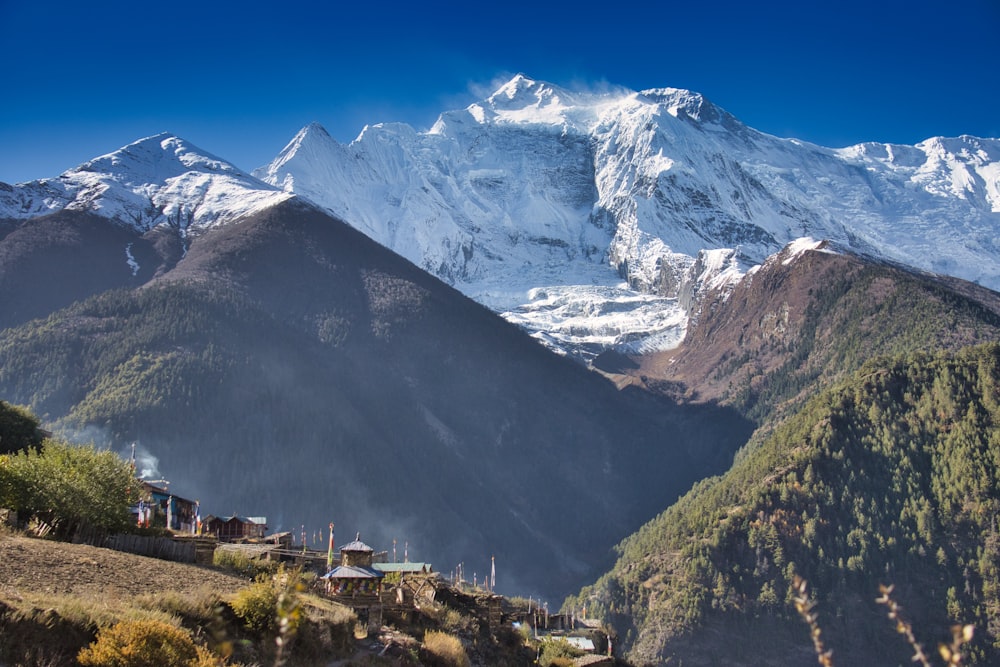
column 238, row 79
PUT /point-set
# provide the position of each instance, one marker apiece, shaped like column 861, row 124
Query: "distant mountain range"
column 592, row 220
column 301, row 342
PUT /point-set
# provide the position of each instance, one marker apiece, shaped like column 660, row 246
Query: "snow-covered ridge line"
column 538, row 186
column 157, row 180
column 589, row 218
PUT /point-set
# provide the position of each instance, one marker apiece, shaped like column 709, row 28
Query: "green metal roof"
column 403, row 567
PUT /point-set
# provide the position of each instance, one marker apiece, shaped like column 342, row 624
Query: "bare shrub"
column 444, row 650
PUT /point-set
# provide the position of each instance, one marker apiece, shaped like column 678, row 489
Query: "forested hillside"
column 890, row 477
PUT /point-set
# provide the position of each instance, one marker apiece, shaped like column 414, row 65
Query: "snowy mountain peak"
column 309, row 146
column 524, row 101
column 161, row 179
column 514, row 87
column 552, row 205
column 681, row 103
column 154, row 159
column 519, row 101
column 521, row 92
column 315, row 126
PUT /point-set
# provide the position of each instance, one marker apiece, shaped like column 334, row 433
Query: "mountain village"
column 376, row 585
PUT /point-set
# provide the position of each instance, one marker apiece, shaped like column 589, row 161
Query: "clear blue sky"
column 239, row 79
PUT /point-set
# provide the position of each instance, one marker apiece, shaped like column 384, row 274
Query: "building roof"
column 258, row 520
column 356, row 545
column 403, row 567
column 352, row 572
column 164, row 492
column 582, row 643
column 277, row 537
column 591, row 659
column 253, row 550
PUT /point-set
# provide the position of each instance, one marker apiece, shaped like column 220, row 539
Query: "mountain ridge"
column 646, row 182
column 160, row 180
column 606, row 197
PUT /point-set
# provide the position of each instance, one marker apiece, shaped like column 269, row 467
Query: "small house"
column 236, row 528
column 283, row 540
column 157, row 506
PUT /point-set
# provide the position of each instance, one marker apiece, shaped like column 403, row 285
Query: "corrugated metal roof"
column 403, row 567
column 582, row 643
column 352, row 572
column 259, row 520
column 356, row 545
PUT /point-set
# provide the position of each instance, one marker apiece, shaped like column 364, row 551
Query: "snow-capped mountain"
column 537, row 201
column 159, row 180
column 591, row 219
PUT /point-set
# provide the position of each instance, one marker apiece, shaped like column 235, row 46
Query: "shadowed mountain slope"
column 289, row 366
column 47, row 263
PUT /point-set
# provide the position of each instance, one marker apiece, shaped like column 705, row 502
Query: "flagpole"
column 329, row 553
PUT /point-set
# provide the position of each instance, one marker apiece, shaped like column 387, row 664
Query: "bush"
column 257, row 606
column 242, row 563
column 445, row 650
column 198, row 608
column 142, row 643
column 456, row 623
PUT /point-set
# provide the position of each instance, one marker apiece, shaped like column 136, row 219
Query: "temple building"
column 355, row 576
